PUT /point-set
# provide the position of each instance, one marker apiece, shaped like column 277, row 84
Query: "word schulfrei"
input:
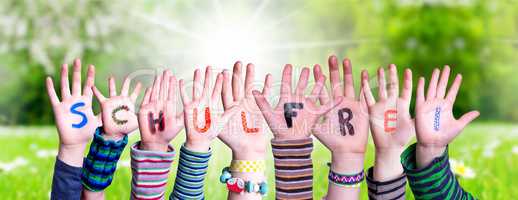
column 245, row 124
column 390, row 120
column 114, row 114
column 289, row 112
column 207, row 120
column 345, row 122
column 74, row 110
column 437, row 118
column 152, row 122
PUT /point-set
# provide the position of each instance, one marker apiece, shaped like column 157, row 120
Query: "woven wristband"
column 101, row 162
column 346, row 180
column 247, row 166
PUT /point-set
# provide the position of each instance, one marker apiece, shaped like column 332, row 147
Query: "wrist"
column 197, row 146
column 247, row 155
column 114, row 137
column 387, row 164
column 153, row 146
column 347, row 163
column 426, row 153
column 72, row 154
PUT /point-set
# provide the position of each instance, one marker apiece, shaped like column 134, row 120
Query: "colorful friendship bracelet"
column 247, row 166
column 346, row 180
column 239, row 185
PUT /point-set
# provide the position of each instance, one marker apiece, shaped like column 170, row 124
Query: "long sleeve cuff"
column 386, row 190
column 293, row 168
column 101, row 162
column 190, row 176
column 435, row 181
column 66, row 182
column 150, row 171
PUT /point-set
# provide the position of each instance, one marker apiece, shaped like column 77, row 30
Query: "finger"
column 393, row 86
column 125, row 86
column 226, row 95
column 196, row 84
column 454, row 89
column 267, row 85
column 286, row 80
column 249, row 80
column 382, row 85
column 54, row 100
column 206, row 82
column 76, row 78
column 467, row 118
column 98, row 94
column 147, row 97
column 367, row 92
column 173, row 83
column 90, row 79
column 216, row 91
column 155, row 92
column 164, row 88
column 334, row 76
column 183, row 95
column 263, row 104
column 136, row 92
column 111, row 84
column 443, row 82
column 348, row 79
column 432, row 86
column 420, row 92
column 323, row 96
column 303, row 81
column 65, row 90
column 317, row 89
column 237, row 90
column 407, row 85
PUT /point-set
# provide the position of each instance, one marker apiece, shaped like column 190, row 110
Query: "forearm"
column 387, row 165
column 347, row 164
column 433, row 181
column 190, row 176
column 293, row 168
column 386, row 179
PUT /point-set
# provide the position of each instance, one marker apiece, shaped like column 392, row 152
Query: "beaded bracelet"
column 239, row 185
column 347, row 180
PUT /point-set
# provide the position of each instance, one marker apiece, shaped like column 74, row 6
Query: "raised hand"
column 435, row 124
column 75, row 120
column 391, row 125
column 295, row 114
column 202, row 122
column 118, row 111
column 245, row 132
column 159, row 121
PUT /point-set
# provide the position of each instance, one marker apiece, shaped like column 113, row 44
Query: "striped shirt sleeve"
column 435, row 181
column 386, row 190
column 293, row 168
column 150, row 170
column 192, row 169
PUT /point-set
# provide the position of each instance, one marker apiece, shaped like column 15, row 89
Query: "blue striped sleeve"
column 192, row 169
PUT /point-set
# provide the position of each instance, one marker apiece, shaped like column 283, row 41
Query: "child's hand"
column 390, row 121
column 435, row 124
column 201, row 120
column 74, row 117
column 158, row 120
column 245, row 133
column 345, row 129
column 118, row 112
column 295, row 114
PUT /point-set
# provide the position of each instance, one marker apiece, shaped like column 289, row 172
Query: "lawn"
column 490, row 149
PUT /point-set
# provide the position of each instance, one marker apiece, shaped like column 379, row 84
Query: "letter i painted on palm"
column 436, row 119
column 207, row 120
column 245, row 124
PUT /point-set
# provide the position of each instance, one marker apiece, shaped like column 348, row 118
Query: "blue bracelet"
column 238, row 185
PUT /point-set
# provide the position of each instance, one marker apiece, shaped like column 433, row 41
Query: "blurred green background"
column 478, row 38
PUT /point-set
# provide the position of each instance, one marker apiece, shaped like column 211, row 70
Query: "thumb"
column 99, row 120
column 467, row 118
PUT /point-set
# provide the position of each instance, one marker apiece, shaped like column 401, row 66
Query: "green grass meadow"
column 490, row 149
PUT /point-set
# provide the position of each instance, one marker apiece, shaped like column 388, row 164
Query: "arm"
column 392, row 128
column 426, row 163
column 291, row 122
column 195, row 153
column 344, row 132
column 159, row 123
column 119, row 119
column 245, row 134
column 76, row 125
